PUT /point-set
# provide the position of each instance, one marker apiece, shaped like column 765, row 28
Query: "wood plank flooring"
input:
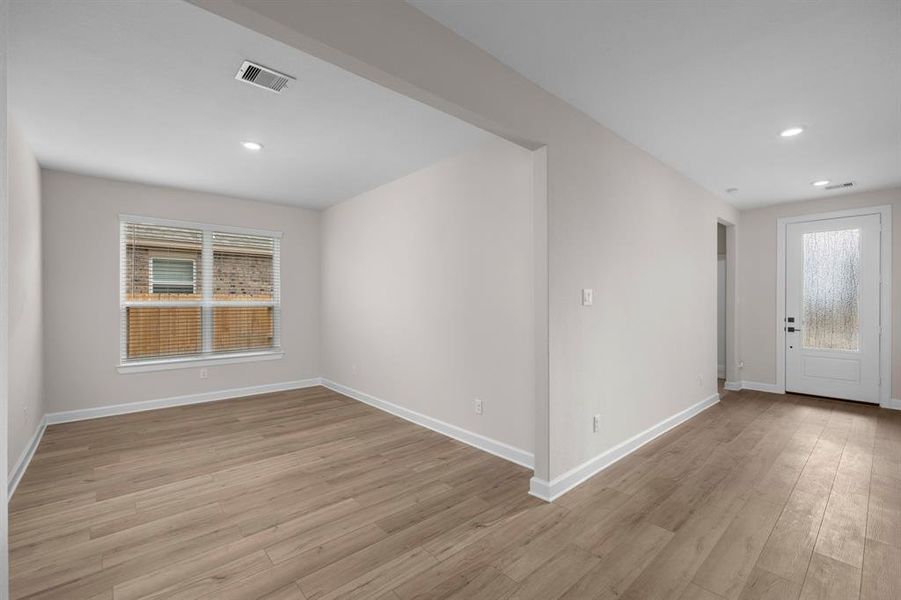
column 310, row 495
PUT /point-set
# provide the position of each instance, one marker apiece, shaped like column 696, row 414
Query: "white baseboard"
column 505, row 451
column 551, row 490
column 25, row 458
column 132, row 407
column 771, row 388
column 893, row 404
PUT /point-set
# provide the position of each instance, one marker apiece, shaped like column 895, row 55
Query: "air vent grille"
column 263, row 77
column 838, row 186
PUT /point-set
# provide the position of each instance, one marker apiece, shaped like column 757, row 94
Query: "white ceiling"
column 707, row 86
column 145, row 91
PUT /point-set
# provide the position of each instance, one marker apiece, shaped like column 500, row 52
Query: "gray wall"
column 81, row 315
column 757, row 278
column 26, row 382
column 427, row 292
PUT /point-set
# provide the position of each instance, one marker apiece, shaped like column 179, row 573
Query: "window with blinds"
column 190, row 291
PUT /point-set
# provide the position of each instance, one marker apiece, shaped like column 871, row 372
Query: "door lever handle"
column 793, row 329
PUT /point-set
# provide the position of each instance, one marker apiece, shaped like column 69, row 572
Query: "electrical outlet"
column 479, row 407
column 700, row 381
column 25, row 413
column 596, row 423
column 204, row 373
column 353, row 368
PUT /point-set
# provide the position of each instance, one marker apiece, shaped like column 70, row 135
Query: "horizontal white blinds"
column 193, row 291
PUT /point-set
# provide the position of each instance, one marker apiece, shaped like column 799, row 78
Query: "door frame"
column 885, row 292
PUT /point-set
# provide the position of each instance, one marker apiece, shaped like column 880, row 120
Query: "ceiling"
column 707, row 87
column 145, row 91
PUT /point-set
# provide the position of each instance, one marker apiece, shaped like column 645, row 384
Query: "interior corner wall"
column 619, row 221
column 757, row 282
column 81, row 291
column 26, row 394
column 427, row 292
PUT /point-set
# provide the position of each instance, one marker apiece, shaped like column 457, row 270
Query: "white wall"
column 426, row 292
column 757, row 281
column 4, row 305
column 618, row 221
column 81, row 290
column 26, row 393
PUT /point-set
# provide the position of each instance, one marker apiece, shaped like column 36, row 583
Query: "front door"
column 832, row 308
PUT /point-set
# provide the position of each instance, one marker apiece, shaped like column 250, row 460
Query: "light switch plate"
column 587, row 296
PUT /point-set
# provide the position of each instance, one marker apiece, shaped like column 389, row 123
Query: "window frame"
column 206, row 357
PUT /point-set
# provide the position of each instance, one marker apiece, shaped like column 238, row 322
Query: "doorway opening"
column 720, row 306
column 727, row 361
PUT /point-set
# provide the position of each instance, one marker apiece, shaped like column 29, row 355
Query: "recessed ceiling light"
column 252, row 145
column 792, row 131
column 821, row 182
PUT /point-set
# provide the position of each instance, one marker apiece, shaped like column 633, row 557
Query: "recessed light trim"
column 253, row 146
column 821, row 182
column 791, row 132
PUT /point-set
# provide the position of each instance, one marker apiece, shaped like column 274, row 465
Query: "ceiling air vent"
column 838, row 186
column 263, row 77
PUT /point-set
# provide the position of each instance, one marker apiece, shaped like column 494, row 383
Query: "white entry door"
column 832, row 307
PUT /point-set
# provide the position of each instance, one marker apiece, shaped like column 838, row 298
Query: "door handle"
column 793, row 329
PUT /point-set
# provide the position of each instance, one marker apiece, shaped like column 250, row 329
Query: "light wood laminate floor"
column 308, row 494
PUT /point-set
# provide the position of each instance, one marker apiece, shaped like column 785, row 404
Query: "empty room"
column 450, row 299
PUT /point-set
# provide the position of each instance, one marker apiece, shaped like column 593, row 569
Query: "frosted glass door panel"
column 830, row 306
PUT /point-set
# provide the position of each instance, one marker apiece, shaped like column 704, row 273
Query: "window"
column 192, row 292
column 830, row 305
column 172, row 275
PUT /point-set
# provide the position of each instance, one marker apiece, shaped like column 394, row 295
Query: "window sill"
column 194, row 362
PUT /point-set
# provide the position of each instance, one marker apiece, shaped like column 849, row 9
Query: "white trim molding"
column 893, row 404
column 885, row 300
column 195, row 362
column 204, row 226
column 757, row 386
column 133, row 407
column 25, row 458
column 551, row 490
column 515, row 455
